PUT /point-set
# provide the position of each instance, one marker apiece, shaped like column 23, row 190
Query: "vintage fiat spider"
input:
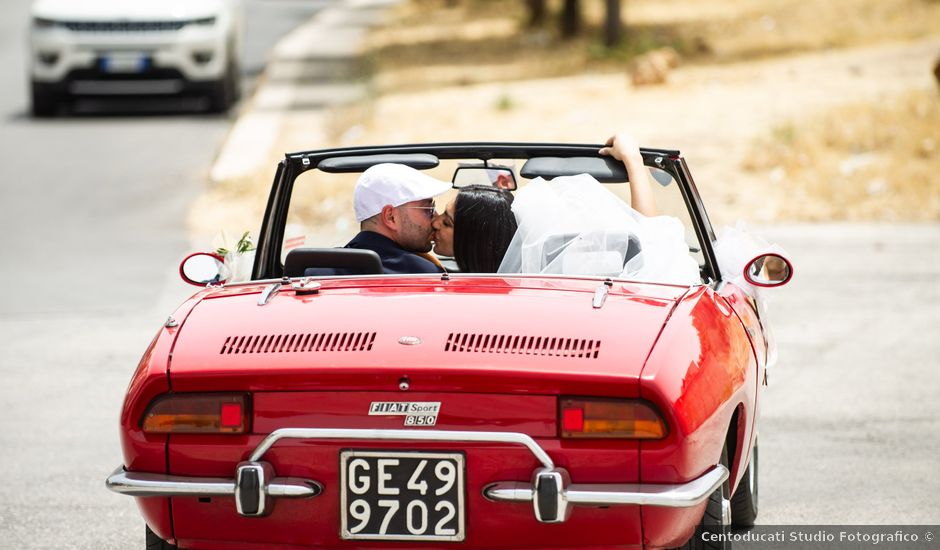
column 586, row 408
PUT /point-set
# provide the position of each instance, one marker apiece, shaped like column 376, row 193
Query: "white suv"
column 140, row 47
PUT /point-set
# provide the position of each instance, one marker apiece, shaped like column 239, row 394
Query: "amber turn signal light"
column 609, row 418
column 197, row 413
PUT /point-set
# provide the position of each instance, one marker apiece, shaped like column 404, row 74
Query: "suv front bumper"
column 193, row 55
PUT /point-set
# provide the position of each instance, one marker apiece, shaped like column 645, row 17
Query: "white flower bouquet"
column 239, row 259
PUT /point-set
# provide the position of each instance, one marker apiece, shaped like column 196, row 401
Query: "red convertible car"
column 487, row 410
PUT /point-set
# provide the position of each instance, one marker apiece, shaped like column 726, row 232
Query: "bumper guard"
column 551, row 492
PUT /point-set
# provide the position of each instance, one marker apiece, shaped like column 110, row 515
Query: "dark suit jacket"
column 395, row 259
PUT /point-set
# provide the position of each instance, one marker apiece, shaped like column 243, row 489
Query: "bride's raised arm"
column 625, row 149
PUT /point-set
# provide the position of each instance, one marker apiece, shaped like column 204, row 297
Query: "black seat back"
column 352, row 261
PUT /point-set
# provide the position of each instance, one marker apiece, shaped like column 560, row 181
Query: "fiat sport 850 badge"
column 416, row 413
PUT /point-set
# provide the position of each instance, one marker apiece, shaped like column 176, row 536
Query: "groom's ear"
column 389, row 216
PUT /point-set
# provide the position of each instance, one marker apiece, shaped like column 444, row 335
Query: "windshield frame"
column 268, row 255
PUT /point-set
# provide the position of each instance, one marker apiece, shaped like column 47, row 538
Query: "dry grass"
column 466, row 73
column 433, row 43
column 230, row 207
column 858, row 162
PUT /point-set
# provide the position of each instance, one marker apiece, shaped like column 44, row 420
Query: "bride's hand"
column 625, row 149
column 622, row 147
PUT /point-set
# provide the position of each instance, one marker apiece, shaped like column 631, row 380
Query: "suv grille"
column 522, row 345
column 123, row 26
column 303, row 343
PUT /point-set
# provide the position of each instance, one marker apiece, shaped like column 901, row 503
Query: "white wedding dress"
column 572, row 225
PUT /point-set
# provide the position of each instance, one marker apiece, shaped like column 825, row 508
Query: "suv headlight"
column 204, row 22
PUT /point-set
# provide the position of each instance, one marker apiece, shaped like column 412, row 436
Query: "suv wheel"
column 44, row 103
column 226, row 91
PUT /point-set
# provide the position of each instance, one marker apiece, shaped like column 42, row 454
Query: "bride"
column 573, row 225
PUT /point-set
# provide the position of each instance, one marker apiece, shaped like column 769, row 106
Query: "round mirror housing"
column 202, row 268
column 768, row 270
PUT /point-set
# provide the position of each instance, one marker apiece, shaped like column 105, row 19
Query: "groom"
column 394, row 207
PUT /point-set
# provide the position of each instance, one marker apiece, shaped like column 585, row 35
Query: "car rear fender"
column 701, row 373
column 147, row 452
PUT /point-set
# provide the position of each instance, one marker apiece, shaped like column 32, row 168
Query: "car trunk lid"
column 472, row 335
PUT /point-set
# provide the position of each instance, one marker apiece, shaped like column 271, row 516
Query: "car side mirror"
column 202, row 268
column 768, row 270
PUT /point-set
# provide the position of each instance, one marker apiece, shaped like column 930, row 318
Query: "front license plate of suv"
column 394, row 495
column 125, row 62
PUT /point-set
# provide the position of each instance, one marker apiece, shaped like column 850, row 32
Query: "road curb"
column 318, row 65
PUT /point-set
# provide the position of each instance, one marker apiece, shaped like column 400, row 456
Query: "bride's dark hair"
column 483, row 227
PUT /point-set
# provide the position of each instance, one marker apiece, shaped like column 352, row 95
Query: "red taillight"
column 197, row 413
column 572, row 420
column 232, row 415
column 610, row 418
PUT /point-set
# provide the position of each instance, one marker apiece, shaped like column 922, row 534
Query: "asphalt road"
column 93, row 221
column 850, row 432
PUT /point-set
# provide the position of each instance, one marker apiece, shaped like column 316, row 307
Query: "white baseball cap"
column 392, row 184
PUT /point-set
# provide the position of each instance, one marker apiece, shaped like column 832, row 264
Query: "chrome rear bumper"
column 683, row 495
column 551, row 492
column 139, row 484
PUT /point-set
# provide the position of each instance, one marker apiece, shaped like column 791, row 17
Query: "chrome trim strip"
column 292, row 487
column 402, row 435
column 670, row 496
column 141, row 484
column 600, row 296
column 269, row 292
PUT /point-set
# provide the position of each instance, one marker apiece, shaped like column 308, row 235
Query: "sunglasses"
column 429, row 211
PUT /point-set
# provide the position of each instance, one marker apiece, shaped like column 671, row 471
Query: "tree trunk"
column 613, row 24
column 936, row 71
column 536, row 12
column 570, row 19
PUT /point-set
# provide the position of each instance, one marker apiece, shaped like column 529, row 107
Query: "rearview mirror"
column 202, row 268
column 768, row 270
column 495, row 176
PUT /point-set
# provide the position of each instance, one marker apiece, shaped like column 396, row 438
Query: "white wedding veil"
column 572, row 225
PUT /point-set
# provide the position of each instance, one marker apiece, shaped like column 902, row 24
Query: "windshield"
column 321, row 215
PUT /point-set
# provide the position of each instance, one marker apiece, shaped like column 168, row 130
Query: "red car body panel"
column 705, row 334
column 534, row 415
column 203, row 361
column 147, row 452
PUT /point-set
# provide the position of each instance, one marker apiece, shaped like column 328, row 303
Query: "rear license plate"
column 388, row 495
column 125, row 62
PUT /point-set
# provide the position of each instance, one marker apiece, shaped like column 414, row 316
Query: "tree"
column 613, row 24
column 570, row 19
column 537, row 11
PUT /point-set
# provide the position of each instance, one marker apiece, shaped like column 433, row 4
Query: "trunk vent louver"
column 522, row 345
column 302, row 343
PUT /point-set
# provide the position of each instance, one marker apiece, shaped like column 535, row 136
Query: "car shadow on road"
column 139, row 107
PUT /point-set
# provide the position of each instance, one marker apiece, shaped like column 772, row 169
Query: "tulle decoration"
column 572, row 225
column 734, row 248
